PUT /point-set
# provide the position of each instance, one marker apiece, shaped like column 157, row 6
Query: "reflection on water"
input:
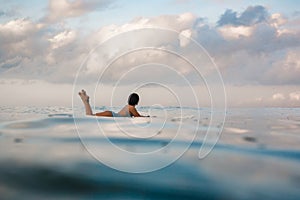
column 41, row 155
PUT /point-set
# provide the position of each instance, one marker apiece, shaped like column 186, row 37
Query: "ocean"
column 177, row 153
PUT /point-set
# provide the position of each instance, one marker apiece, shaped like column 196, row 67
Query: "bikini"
column 114, row 114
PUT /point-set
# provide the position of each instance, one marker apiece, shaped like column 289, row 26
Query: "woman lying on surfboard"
column 128, row 110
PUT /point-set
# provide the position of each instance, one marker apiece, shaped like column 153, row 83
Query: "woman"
column 128, row 110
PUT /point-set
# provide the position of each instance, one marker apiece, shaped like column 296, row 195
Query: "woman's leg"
column 105, row 114
column 88, row 110
column 85, row 99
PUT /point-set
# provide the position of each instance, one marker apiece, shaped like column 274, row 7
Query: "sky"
column 253, row 45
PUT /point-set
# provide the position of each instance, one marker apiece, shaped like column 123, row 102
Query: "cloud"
column 278, row 96
column 257, row 53
column 263, row 95
column 278, row 19
column 184, row 37
column 252, row 15
column 295, row 96
column 285, row 70
column 29, row 50
column 20, row 41
column 233, row 32
column 251, row 48
column 16, row 30
column 62, row 39
column 63, row 9
column 284, row 99
column 180, row 23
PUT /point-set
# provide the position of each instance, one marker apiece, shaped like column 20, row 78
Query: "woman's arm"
column 134, row 112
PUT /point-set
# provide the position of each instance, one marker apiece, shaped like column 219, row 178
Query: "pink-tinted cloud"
column 63, row 9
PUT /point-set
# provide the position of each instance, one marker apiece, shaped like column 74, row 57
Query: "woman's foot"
column 84, row 97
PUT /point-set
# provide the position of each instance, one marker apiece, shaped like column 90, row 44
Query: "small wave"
column 88, row 178
column 236, row 130
column 39, row 123
column 60, row 115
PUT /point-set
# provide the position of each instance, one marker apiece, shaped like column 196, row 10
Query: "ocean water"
column 58, row 153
